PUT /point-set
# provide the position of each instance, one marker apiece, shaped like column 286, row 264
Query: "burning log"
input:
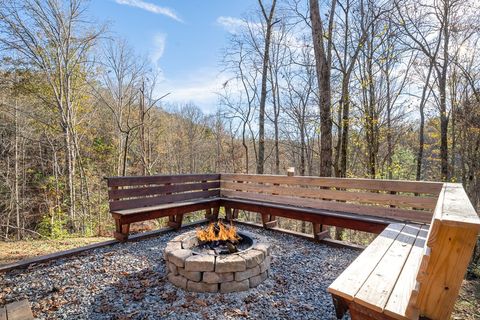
column 219, row 237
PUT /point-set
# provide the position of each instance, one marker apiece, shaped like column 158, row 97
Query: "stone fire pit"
column 210, row 272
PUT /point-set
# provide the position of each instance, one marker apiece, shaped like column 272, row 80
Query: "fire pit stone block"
column 230, row 263
column 191, row 275
column 242, row 275
column 202, row 287
column 256, row 280
column 265, row 265
column 179, row 256
column 252, row 257
column 262, row 247
column 178, row 280
column 172, row 268
column 213, row 277
column 234, row 286
column 171, row 246
column 200, row 262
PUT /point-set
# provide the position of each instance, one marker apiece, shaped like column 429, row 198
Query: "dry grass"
column 18, row 250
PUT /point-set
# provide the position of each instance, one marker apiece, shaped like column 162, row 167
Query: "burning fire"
column 218, row 232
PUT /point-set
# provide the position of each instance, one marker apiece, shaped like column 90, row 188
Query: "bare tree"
column 54, row 37
column 122, row 80
column 323, row 62
column 269, row 23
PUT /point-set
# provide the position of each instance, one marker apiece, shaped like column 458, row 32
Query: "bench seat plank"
column 376, row 290
column 164, row 206
column 352, row 279
column 398, row 303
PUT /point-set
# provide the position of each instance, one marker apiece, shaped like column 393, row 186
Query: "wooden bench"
column 134, row 199
column 412, row 270
column 360, row 204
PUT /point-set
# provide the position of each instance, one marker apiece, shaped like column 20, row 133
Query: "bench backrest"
column 451, row 238
column 146, row 191
column 398, row 200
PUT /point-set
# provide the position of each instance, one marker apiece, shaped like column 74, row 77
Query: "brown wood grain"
column 386, row 212
column 152, row 201
column 165, row 189
column 326, row 217
column 160, row 179
column 432, row 188
column 361, row 197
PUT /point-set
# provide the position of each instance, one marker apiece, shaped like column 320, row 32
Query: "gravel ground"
column 127, row 281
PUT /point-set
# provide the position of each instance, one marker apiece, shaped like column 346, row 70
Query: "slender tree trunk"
column 323, row 68
column 345, row 125
column 16, row 174
column 442, row 81
column 263, row 94
column 125, row 154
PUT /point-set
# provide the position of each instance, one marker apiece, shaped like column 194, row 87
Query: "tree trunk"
column 323, row 68
column 263, row 94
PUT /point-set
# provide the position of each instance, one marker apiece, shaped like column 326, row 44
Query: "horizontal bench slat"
column 163, row 206
column 432, row 188
column 393, row 213
column 351, row 280
column 398, row 303
column 152, row 201
column 171, row 188
column 376, row 290
column 362, row 197
column 159, row 179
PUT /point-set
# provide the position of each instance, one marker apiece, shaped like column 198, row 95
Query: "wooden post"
column 121, row 230
column 208, row 213
column 215, row 213
column 319, row 233
column 228, row 213
column 291, row 171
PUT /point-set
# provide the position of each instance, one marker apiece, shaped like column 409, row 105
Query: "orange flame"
column 224, row 233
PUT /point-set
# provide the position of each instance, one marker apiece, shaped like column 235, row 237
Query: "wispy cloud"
column 231, row 24
column 150, row 7
column 200, row 86
column 159, row 42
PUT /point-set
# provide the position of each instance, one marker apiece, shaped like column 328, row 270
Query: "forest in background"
column 345, row 88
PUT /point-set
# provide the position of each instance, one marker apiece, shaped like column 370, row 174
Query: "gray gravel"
column 127, row 281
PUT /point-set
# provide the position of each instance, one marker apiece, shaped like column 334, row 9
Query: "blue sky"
column 184, row 38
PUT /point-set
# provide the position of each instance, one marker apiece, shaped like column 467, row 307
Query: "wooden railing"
column 400, row 200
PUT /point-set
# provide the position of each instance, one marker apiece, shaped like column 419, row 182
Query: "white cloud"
column 231, row 24
column 159, row 42
column 150, row 7
column 200, row 87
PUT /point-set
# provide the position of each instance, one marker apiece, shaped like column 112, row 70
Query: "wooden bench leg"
column 216, row 210
column 175, row 221
column 208, row 213
column 228, row 213
column 121, row 230
column 212, row 213
column 235, row 214
column 341, row 306
column 268, row 221
column 319, row 232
